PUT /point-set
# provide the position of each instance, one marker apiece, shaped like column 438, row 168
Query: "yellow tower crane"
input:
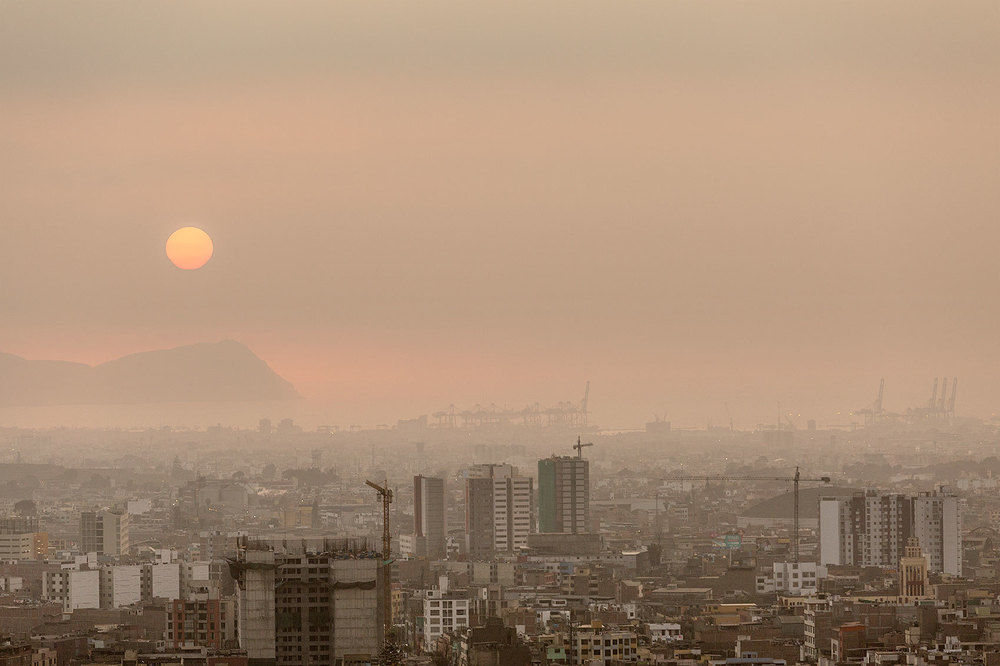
column 385, row 493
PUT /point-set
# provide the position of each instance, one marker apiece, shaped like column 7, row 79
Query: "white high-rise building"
column 512, row 500
column 873, row 529
column 937, row 525
column 499, row 506
column 867, row 529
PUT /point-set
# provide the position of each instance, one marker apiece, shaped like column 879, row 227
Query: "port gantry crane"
column 795, row 493
column 385, row 493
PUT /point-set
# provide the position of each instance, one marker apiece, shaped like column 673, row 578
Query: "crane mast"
column 795, row 495
column 385, row 493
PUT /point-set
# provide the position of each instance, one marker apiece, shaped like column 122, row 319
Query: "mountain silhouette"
column 204, row 372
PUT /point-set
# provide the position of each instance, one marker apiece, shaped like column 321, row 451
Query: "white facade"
column 72, row 588
column 195, row 577
column 795, row 578
column 407, row 545
column 126, row 586
column 11, row 583
column 17, row 546
column 665, row 632
column 512, row 503
column 831, row 542
column 164, row 555
column 85, row 589
column 512, row 499
column 165, row 580
column 937, row 524
column 444, row 613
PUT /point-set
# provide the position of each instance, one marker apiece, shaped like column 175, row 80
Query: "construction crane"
column 875, row 412
column 385, row 493
column 579, row 447
column 795, row 493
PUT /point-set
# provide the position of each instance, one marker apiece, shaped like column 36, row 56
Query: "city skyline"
column 499, row 334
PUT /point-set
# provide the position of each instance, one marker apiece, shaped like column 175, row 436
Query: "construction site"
column 308, row 600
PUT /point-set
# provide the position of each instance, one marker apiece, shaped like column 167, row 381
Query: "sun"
column 189, row 248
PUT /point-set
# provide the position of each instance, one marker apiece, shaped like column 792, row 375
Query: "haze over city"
column 693, row 206
column 499, row 334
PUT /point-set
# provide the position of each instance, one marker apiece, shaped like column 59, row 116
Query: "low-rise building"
column 445, row 612
column 794, row 578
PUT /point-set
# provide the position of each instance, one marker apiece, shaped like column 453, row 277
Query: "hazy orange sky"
column 413, row 204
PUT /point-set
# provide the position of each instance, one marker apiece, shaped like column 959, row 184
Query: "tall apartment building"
column 937, row 525
column 498, row 510
column 563, row 495
column 308, row 601
column 479, row 517
column 873, row 529
column 428, row 516
column 104, row 532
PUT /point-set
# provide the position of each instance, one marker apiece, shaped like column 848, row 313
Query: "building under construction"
column 308, row 601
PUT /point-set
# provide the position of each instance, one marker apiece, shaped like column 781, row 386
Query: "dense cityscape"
column 442, row 541
column 472, row 333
